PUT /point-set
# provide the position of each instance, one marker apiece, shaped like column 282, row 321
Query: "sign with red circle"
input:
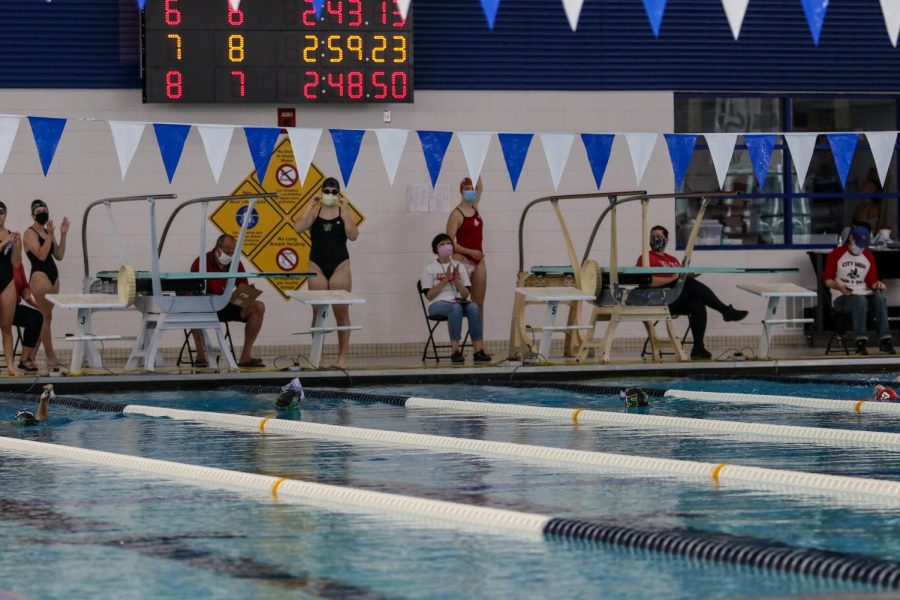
column 286, row 259
column 286, row 175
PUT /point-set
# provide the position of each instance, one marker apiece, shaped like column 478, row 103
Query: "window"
column 786, row 212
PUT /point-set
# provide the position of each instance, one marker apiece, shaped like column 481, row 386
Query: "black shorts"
column 231, row 312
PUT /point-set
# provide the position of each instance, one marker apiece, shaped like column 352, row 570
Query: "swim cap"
column 290, row 396
column 634, row 396
column 38, row 203
column 331, row 182
column 466, row 182
column 885, row 394
column 25, row 417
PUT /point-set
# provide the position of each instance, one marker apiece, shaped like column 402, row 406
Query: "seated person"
column 217, row 261
column 29, row 318
column 850, row 270
column 446, row 284
column 695, row 297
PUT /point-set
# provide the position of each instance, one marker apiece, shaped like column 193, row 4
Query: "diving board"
column 320, row 301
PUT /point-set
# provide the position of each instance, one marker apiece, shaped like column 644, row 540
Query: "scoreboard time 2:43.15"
column 276, row 51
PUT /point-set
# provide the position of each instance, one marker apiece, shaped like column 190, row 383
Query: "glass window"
column 727, row 115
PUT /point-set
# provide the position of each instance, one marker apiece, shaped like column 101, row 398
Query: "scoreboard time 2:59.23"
column 276, row 51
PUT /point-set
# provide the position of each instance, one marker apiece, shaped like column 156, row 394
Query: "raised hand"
column 64, row 228
column 50, row 227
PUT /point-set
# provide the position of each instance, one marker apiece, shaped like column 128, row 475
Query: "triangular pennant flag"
column 391, row 142
column 126, row 137
column 475, row 147
column 304, row 143
column 261, row 142
column 721, row 149
column 891, row 11
column 640, row 145
column 216, row 142
column 170, row 137
column 434, row 146
column 346, row 146
column 734, row 12
column 557, row 147
column 46, row 131
column 843, row 145
column 515, row 149
column 759, row 147
column 573, row 12
column 490, row 11
column 403, row 7
column 655, row 10
column 681, row 149
column 882, row 145
column 141, row 4
column 235, row 4
column 801, row 146
column 815, row 16
column 318, row 5
column 598, row 147
column 8, row 128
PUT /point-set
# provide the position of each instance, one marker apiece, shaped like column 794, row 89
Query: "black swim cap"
column 25, row 417
column 331, row 182
column 38, row 203
column 634, row 396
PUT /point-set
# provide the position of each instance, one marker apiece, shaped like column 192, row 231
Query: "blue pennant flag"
column 141, row 4
column 515, row 149
column 434, row 146
column 346, row 146
column 490, row 10
column 681, row 148
column 760, row 149
column 46, row 132
column 655, row 10
column 261, row 141
column 843, row 145
column 815, row 16
column 598, row 147
column 170, row 138
column 318, row 5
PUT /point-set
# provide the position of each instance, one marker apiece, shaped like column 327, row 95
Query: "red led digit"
column 336, row 8
column 354, row 14
column 355, row 84
column 242, row 89
column 377, row 81
column 174, row 89
column 235, row 17
column 310, row 89
column 309, row 15
column 336, row 81
column 398, row 85
column 387, row 8
column 172, row 14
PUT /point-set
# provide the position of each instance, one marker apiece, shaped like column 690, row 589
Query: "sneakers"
column 457, row 357
column 481, row 356
column 733, row 314
column 861, row 347
column 700, row 353
column 886, row 347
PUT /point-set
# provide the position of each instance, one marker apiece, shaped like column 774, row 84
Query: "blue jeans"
column 859, row 307
column 454, row 311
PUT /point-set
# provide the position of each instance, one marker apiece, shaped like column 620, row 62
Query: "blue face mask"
column 470, row 195
column 855, row 250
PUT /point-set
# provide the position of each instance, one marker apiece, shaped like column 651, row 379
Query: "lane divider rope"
column 885, row 408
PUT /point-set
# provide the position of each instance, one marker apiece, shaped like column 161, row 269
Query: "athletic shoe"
column 861, row 348
column 886, row 347
column 700, row 354
column 733, row 314
column 481, row 356
column 457, row 357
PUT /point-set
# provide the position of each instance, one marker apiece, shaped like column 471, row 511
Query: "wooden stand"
column 620, row 313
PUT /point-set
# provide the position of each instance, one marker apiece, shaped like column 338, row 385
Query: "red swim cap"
column 467, row 181
column 886, row 395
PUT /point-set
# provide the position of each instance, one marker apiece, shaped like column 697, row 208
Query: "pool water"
column 72, row 530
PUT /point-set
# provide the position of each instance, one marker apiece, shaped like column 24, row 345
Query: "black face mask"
column 658, row 244
column 42, row 218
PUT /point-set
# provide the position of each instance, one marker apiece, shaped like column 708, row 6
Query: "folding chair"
column 684, row 341
column 432, row 323
column 187, row 346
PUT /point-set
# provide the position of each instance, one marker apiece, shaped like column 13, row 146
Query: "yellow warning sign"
column 271, row 244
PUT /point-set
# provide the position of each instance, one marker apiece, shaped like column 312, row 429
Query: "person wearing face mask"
column 465, row 226
column 850, row 270
column 330, row 225
column 695, row 297
column 218, row 260
column 43, row 250
column 446, row 285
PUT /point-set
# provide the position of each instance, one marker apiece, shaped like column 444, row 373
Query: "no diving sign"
column 287, row 259
column 286, row 175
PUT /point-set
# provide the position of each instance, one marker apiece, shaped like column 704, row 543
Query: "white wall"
column 393, row 244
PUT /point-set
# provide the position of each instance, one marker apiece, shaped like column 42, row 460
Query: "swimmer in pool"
column 634, row 396
column 25, row 418
column 290, row 396
column 884, row 394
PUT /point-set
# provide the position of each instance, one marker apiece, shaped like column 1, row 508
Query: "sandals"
column 201, row 363
column 253, row 363
column 28, row 366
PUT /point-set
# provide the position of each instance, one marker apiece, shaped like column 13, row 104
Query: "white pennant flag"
column 8, row 128
column 475, row 148
column 304, row 143
column 801, row 146
column 882, row 145
column 403, row 5
column 640, row 145
column 126, row 137
column 891, row 11
column 734, row 12
column 573, row 12
column 234, row 4
column 216, row 142
column 557, row 147
column 721, row 148
column 391, row 142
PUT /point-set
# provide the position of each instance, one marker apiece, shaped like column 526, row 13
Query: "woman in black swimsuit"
column 43, row 251
column 8, row 295
column 330, row 225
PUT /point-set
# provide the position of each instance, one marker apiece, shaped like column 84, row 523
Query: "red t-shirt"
column 216, row 286
column 857, row 272
column 658, row 259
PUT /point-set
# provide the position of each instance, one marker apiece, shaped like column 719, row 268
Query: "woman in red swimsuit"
column 465, row 227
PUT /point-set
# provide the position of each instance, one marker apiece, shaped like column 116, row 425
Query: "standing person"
column 465, row 226
column 27, row 315
column 330, row 225
column 8, row 256
column 43, row 251
column 446, row 285
column 695, row 297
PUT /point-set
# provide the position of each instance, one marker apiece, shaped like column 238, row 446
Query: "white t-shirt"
column 435, row 272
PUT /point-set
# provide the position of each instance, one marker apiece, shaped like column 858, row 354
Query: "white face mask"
column 224, row 259
column 329, row 199
column 855, row 250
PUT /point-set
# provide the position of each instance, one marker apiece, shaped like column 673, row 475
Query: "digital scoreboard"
column 276, row 51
